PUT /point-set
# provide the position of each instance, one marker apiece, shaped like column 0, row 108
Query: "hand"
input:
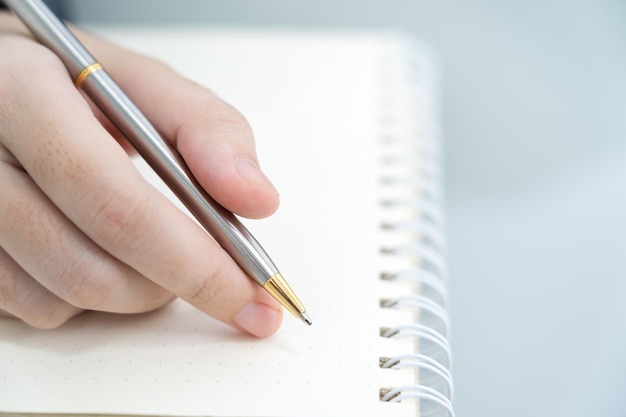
column 79, row 227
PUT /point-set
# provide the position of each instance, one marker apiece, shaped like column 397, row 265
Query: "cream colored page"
column 313, row 103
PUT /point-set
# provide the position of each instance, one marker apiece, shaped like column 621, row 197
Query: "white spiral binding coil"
column 411, row 174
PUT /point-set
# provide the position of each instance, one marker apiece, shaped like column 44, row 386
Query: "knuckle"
column 36, row 307
column 208, row 294
column 119, row 217
column 102, row 288
column 81, row 287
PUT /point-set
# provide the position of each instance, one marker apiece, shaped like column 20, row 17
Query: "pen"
column 89, row 75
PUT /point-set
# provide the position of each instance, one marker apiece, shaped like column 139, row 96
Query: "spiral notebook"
column 346, row 127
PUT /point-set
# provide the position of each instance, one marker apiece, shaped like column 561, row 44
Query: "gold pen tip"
column 305, row 318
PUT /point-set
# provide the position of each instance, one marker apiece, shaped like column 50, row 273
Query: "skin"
column 79, row 227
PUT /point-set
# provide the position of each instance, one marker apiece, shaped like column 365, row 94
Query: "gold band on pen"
column 86, row 72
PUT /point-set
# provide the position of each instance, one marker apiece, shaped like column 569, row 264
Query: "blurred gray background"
column 534, row 114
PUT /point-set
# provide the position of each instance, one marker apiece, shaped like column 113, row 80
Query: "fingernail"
column 250, row 171
column 258, row 319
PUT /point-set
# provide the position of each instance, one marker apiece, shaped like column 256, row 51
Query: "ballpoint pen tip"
column 305, row 318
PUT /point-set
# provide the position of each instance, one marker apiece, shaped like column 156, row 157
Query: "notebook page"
column 313, row 103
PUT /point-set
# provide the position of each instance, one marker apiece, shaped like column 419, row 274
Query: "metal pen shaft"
column 93, row 79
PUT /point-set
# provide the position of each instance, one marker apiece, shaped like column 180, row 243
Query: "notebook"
column 346, row 127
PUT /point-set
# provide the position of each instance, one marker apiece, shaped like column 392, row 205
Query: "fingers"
column 50, row 130
column 48, row 246
column 23, row 297
column 215, row 139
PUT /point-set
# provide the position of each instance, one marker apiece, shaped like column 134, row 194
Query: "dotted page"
column 313, row 101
